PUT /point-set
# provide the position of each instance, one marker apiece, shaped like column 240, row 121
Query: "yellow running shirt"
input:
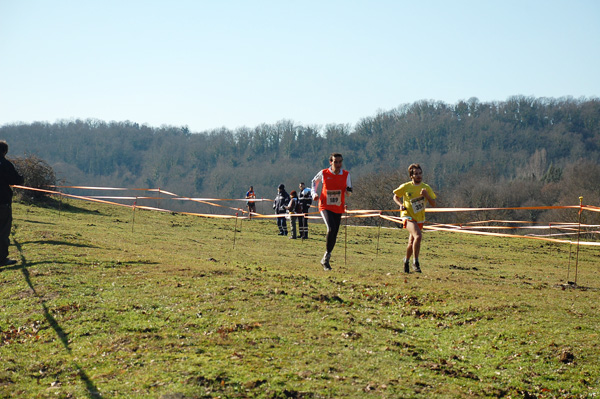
column 413, row 201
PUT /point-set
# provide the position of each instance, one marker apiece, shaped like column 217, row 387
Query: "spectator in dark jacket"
column 8, row 177
column 281, row 201
column 293, row 208
column 305, row 199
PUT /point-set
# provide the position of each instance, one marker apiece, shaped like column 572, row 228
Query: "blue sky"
column 212, row 64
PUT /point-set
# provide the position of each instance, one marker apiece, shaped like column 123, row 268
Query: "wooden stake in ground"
column 578, row 231
column 574, row 282
column 235, row 229
column 569, row 266
column 378, row 233
column 133, row 215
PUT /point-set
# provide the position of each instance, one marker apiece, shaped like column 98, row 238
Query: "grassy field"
column 106, row 305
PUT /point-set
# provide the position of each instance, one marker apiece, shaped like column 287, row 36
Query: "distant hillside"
column 521, row 139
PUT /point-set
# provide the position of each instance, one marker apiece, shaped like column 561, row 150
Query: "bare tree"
column 37, row 174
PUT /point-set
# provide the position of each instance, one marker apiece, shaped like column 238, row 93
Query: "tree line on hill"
column 524, row 151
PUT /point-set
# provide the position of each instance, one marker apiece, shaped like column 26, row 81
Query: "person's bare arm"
column 425, row 194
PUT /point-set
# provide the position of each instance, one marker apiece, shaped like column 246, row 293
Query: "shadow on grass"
column 31, row 264
column 54, row 242
column 92, row 390
column 36, row 222
column 60, row 206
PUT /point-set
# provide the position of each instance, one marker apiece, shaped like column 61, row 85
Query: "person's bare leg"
column 409, row 247
column 415, row 239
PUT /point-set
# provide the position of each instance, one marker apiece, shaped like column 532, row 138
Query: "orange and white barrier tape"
column 437, row 228
column 473, row 227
